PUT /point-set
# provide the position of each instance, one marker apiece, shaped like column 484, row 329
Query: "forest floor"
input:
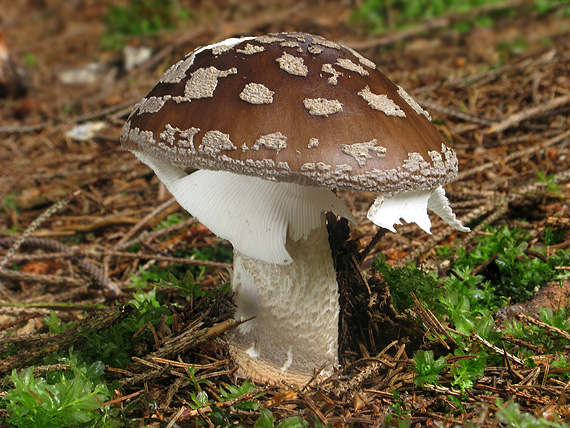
column 499, row 92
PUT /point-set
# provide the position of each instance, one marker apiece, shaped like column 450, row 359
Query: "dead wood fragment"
column 551, row 328
column 442, row 418
column 95, row 273
column 34, row 225
column 148, row 236
column 516, row 118
column 139, row 225
column 433, row 323
column 561, row 138
column 45, row 279
column 36, row 347
column 453, row 112
column 311, row 404
column 486, row 343
column 379, row 235
column 182, row 343
column 182, row 260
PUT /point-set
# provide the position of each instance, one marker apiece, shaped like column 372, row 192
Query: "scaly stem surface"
column 296, row 307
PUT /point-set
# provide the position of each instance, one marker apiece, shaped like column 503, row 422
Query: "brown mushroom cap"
column 291, row 107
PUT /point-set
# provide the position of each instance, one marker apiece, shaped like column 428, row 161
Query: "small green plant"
column 55, row 324
column 9, row 204
column 267, row 420
column 403, row 281
column 561, row 362
column 427, row 368
column 510, row 49
column 551, row 186
column 558, row 319
column 554, row 235
column 200, row 399
column 381, row 15
column 399, row 413
column 154, row 274
column 551, row 343
column 145, row 279
column 195, row 381
column 510, row 272
column 465, row 371
column 171, row 220
column 71, row 398
column 218, row 253
column 232, row 392
column 512, row 416
column 499, row 268
column 30, row 59
column 187, row 286
column 114, row 345
column 561, row 7
column 140, row 18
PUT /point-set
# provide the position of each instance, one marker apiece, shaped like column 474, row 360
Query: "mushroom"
column 274, row 124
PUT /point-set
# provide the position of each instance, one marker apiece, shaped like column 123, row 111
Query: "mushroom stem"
column 296, row 307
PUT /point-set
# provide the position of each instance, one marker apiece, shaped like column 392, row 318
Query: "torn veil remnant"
column 275, row 123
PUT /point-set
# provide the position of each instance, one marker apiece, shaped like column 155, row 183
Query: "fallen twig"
column 498, row 350
column 516, row 118
column 95, row 273
column 544, row 325
column 34, row 225
column 180, row 344
column 216, row 265
column 144, row 221
column 429, row 319
column 525, row 153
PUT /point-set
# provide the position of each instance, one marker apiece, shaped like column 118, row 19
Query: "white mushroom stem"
column 283, row 272
column 412, row 207
column 296, row 309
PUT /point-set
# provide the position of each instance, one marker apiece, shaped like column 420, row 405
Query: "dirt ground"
column 500, row 93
